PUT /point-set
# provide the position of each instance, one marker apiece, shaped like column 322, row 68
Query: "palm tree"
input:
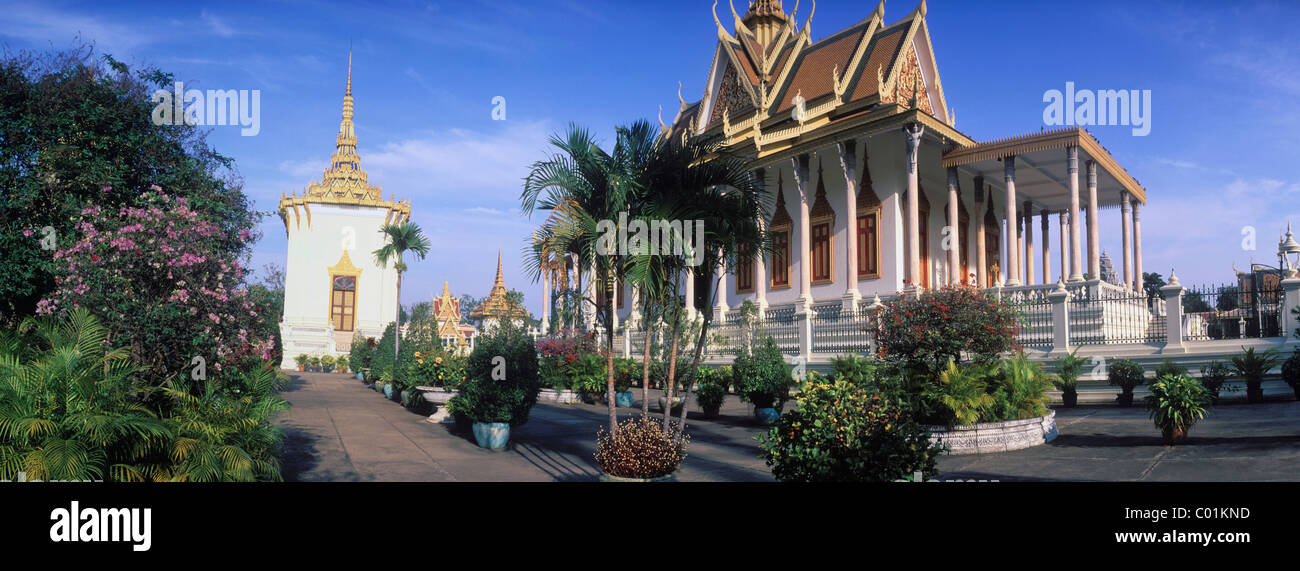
column 582, row 185
column 697, row 179
column 400, row 238
column 66, row 412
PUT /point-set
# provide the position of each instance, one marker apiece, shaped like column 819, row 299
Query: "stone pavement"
column 338, row 430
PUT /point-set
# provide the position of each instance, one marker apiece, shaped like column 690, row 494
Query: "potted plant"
column 1213, row 375
column 625, row 371
column 1175, row 404
column 343, row 364
column 1291, row 372
column 639, row 451
column 1068, row 369
column 327, row 363
column 302, row 360
column 764, row 380
column 1127, row 375
column 1252, row 367
column 500, row 386
column 313, row 363
column 710, row 393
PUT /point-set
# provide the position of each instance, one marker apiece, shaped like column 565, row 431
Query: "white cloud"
column 216, row 24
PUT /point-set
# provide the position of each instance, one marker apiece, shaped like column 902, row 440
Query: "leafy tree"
column 1151, row 283
column 400, row 238
column 75, row 132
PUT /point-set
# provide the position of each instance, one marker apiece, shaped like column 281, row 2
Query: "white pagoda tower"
column 334, row 290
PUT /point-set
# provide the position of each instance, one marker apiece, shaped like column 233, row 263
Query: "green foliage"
column 343, row 363
column 302, row 359
column 843, row 432
column 1177, row 402
column 1168, row 368
column 74, row 408
column 854, row 368
column 1025, row 385
column 923, row 333
column 1252, row 366
column 1214, row 374
column 964, row 394
column 485, row 396
column 75, row 132
column 1069, row 368
column 363, row 350
column 709, row 388
column 763, row 377
column 1126, row 374
column 587, row 375
column 1291, row 369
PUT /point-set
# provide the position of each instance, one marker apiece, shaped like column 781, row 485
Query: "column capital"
column 914, row 132
column 1137, row 210
column 1092, row 173
column 1072, row 159
column 1009, row 168
column 1125, row 201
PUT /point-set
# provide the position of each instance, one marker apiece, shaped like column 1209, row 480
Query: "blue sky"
column 1221, row 155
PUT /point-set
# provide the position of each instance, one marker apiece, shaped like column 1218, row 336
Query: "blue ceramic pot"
column 493, row 435
column 767, row 415
column 623, row 399
column 388, row 391
column 361, row 376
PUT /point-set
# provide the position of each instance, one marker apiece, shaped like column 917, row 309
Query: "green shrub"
column 343, row 363
column 1214, row 374
column 1254, row 366
column 964, row 394
column 925, row 332
column 763, row 377
column 854, row 368
column 842, row 432
column 499, row 390
column 362, row 351
column 1168, row 368
column 1126, row 374
column 302, row 359
column 626, row 371
column 1177, row 402
column 1291, row 369
column 709, row 392
column 587, row 375
column 327, row 361
column 1069, row 368
column 1026, row 387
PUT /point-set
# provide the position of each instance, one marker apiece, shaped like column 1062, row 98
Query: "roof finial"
column 500, row 281
column 349, row 92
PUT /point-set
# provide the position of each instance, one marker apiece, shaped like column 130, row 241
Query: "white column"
column 1064, row 222
column 805, row 233
column 1013, row 240
column 1137, row 246
column 588, row 304
column 1126, row 235
column 546, row 300
column 613, row 305
column 849, row 164
column 760, row 266
column 1075, row 270
column 1094, row 236
column 981, row 243
column 720, row 309
column 1029, row 243
column 954, row 239
column 914, row 269
column 1046, row 218
column 690, row 294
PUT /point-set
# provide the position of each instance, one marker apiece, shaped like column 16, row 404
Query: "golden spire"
column 496, row 305
column 344, row 177
column 501, row 280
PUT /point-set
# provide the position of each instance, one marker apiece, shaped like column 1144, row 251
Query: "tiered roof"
column 496, row 306
column 344, row 181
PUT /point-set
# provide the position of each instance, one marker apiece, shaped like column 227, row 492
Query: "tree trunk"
column 672, row 369
column 645, row 371
column 695, row 364
column 397, row 323
column 609, row 359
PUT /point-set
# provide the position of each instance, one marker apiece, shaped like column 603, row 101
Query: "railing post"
column 874, row 318
column 1173, row 294
column 1060, row 299
column 1290, row 299
column 803, row 314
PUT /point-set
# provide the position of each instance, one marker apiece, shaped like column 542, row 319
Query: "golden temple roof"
column 496, row 306
column 344, row 181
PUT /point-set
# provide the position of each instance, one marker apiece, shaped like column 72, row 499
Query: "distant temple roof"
column 496, row 306
column 1108, row 273
column 344, row 181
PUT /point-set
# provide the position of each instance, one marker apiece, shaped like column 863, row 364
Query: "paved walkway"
column 338, row 430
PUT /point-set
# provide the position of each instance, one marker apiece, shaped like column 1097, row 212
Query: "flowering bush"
column 162, row 280
column 565, row 361
column 440, row 370
column 923, row 333
column 846, row 432
column 639, row 449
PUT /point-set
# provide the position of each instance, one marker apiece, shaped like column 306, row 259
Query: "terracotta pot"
column 1175, row 435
